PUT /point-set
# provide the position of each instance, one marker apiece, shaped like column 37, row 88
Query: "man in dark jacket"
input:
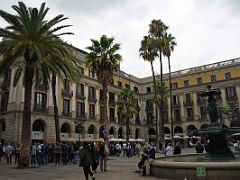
column 85, row 160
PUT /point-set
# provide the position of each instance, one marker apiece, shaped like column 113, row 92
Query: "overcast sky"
column 206, row 31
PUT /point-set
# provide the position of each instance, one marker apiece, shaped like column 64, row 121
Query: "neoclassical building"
column 80, row 106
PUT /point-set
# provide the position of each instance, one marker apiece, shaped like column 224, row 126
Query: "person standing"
column 85, row 160
column 33, row 153
column 9, row 151
column 103, row 156
column 177, row 149
column 199, row 147
column 169, row 150
column 17, row 153
column 94, row 157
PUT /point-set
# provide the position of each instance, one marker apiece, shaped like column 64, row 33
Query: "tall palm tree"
column 156, row 30
column 168, row 47
column 126, row 107
column 104, row 60
column 27, row 40
column 148, row 53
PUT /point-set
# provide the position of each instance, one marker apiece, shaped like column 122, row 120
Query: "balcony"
column 175, row 106
column 81, row 117
column 92, row 99
column 177, row 120
column 41, row 87
column 190, row 118
column 232, row 99
column 67, row 114
column 67, row 93
column 81, row 96
column 188, row 103
column 112, row 120
column 40, row 110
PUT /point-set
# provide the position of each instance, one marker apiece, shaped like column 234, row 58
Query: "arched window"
column 65, row 128
column 38, row 125
column 91, row 129
column 178, row 129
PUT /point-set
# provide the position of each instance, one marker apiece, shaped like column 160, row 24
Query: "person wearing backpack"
column 85, row 160
column 103, row 156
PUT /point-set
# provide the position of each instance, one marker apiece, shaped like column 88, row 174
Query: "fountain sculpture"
column 219, row 162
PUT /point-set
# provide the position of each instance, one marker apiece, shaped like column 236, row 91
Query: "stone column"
column 195, row 107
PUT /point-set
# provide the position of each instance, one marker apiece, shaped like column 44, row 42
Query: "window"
column 230, row 91
column 112, row 82
column 174, row 86
column 91, row 73
column 66, row 85
column 135, row 89
column 176, row 115
column 188, row 99
column 92, row 92
column 4, row 101
column 92, row 111
column 81, row 109
column 66, row 107
column 149, row 118
column 199, row 81
column 175, row 100
column 190, row 113
column 228, row 75
column 149, row 105
column 186, row 83
column 213, row 78
column 80, row 89
column 111, row 98
column 148, row 89
column 120, row 84
column 112, row 114
column 40, row 101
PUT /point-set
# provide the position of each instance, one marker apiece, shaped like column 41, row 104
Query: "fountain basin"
column 181, row 166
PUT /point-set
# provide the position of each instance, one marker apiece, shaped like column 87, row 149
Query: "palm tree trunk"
column 161, row 132
column 1, row 121
column 26, row 121
column 55, row 106
column 156, row 110
column 105, row 115
column 170, row 94
column 127, row 130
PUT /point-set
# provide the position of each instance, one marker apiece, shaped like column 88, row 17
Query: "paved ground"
column 120, row 168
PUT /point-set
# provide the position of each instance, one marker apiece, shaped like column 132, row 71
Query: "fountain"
column 218, row 163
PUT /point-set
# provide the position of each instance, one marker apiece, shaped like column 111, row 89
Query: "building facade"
column 80, row 106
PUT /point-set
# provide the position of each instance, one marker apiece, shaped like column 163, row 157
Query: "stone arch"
column 92, row 129
column 112, row 131
column 204, row 126
column 65, row 128
column 191, row 127
column 101, row 132
column 120, row 132
column 38, row 130
column 38, row 125
column 166, row 130
column 151, row 131
column 178, row 130
column 137, row 133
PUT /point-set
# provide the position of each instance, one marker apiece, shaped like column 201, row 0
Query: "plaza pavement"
column 120, row 168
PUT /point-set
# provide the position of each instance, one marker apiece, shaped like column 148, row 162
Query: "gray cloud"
column 206, row 31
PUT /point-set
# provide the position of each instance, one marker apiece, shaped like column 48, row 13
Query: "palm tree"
column 104, row 60
column 169, row 43
column 126, row 107
column 30, row 40
column 148, row 53
column 156, row 30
